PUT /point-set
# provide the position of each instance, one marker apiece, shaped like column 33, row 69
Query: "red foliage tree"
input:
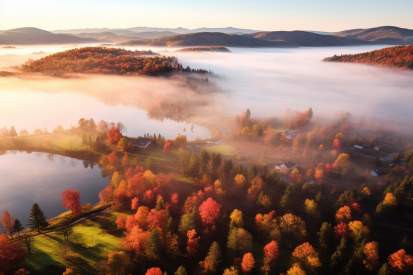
column 11, row 253
column 271, row 254
column 175, row 198
column 192, row 245
column 156, row 219
column 8, row 222
column 355, row 208
column 319, row 172
column 401, row 262
column 210, row 211
column 169, row 145
column 114, row 135
column 336, row 145
column 154, row 271
column 345, row 128
column 136, row 240
column 135, row 204
column 341, row 231
column 71, row 200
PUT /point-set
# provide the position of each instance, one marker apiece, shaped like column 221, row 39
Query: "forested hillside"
column 397, row 57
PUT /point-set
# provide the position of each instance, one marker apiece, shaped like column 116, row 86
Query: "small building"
column 290, row 134
column 285, row 167
column 378, row 147
column 311, row 182
column 142, row 143
column 377, row 172
column 358, row 147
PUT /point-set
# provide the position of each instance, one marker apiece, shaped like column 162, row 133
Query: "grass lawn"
column 46, row 257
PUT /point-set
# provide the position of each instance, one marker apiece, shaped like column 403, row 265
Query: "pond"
column 28, row 178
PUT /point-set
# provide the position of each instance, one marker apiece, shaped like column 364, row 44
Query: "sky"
column 266, row 15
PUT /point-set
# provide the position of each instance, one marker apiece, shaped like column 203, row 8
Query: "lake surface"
column 40, row 178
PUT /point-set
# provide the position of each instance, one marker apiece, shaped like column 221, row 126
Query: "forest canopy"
column 101, row 60
column 397, row 57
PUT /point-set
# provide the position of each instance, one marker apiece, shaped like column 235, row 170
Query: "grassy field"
column 47, row 258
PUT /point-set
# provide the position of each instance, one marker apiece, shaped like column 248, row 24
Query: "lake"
column 41, row 178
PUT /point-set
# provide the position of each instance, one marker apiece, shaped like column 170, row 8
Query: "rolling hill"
column 34, row 36
column 117, row 38
column 307, row 39
column 205, row 49
column 381, row 35
column 394, row 57
column 207, row 39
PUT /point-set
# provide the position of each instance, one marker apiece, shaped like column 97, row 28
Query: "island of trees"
column 394, row 57
column 101, row 60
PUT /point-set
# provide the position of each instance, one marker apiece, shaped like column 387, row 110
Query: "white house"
column 358, row 147
column 142, row 143
column 373, row 173
column 285, row 167
column 291, row 134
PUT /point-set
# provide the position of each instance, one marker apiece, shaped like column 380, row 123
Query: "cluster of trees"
column 179, row 142
column 295, row 119
column 100, row 60
column 399, row 57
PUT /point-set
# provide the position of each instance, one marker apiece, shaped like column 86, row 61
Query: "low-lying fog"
column 264, row 80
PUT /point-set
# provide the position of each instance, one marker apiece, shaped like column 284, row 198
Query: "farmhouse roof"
column 141, row 142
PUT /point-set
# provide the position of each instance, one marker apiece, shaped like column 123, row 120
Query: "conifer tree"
column 37, row 219
column 193, row 168
column 187, row 222
column 325, row 235
column 203, row 162
column 181, row 271
column 12, row 132
column 338, row 256
column 213, row 258
column 17, row 226
column 153, row 246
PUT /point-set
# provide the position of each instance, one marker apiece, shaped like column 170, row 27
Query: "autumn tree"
column 210, row 264
column 296, row 270
column 154, row 271
column 192, row 245
column 231, row 271
column 237, row 220
column 135, row 203
column 8, row 222
column 336, row 145
column 247, row 263
column 371, row 252
column 210, row 212
column 106, row 195
column 153, row 245
column 37, row 219
column 71, row 200
column 388, row 205
column 187, row 222
column 121, row 221
column 239, row 181
column 306, row 255
column 11, row 253
column 181, row 271
column 119, row 263
column 292, row 228
column 401, row 262
column 239, row 242
column 114, row 135
column 343, row 214
column 271, row 256
column 256, row 185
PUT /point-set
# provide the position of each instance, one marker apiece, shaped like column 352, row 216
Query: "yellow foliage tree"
column 296, row 270
column 306, row 255
column 239, row 181
column 237, row 218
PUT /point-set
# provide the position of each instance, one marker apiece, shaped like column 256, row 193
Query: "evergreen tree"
column 250, row 172
column 37, row 219
column 260, row 198
column 238, row 169
column 12, row 132
column 213, row 258
column 159, row 205
column 325, row 235
column 187, row 222
column 181, row 271
column 203, row 162
column 17, row 226
column 153, row 246
column 338, row 256
column 169, row 222
column 193, row 169
column 384, row 270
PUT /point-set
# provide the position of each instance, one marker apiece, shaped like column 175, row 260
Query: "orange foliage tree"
column 154, row 271
column 401, row 262
column 114, row 135
column 247, row 263
column 210, row 212
column 343, row 214
column 371, row 252
column 192, row 245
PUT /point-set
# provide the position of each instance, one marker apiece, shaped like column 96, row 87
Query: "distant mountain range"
column 381, row 35
column 307, row 39
column 206, row 39
column 34, row 36
column 227, row 37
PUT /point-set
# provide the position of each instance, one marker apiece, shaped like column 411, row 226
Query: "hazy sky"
column 322, row 15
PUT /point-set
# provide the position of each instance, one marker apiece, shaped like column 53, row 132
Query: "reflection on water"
column 40, row 178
